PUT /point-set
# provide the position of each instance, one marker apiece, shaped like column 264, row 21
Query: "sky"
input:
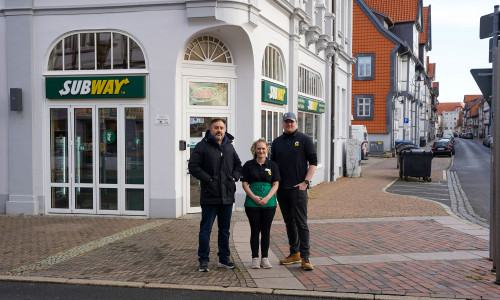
column 456, row 47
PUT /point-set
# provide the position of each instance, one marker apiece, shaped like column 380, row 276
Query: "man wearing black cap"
column 293, row 151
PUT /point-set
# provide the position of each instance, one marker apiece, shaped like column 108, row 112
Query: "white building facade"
column 108, row 98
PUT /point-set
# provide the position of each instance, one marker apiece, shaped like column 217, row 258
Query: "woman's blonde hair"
column 252, row 149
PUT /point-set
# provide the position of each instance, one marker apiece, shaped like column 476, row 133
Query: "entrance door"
column 198, row 126
column 97, row 160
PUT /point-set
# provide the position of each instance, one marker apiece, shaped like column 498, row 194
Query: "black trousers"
column 260, row 219
column 293, row 205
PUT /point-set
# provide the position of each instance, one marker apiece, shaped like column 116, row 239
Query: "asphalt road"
column 43, row 291
column 472, row 164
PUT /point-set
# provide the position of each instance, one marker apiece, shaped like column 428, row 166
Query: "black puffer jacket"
column 215, row 167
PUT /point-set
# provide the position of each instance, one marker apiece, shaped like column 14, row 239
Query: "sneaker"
column 203, row 266
column 228, row 264
column 265, row 263
column 291, row 259
column 306, row 264
column 255, row 263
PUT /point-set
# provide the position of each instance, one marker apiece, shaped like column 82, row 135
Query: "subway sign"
column 311, row 105
column 95, row 87
column 273, row 93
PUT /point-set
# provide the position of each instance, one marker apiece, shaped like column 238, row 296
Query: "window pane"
column 108, row 149
column 59, row 144
column 83, row 145
column 263, row 123
column 71, row 52
column 84, row 198
column 109, row 199
column 275, row 125
column 317, row 131
column 269, row 126
column 120, row 51
column 59, row 197
column 134, row 145
column 55, row 59
column 134, row 199
column 300, row 122
column 136, row 56
column 87, row 51
column 309, row 125
column 208, row 94
column 280, row 123
column 103, row 50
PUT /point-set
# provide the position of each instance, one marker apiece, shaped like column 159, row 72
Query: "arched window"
column 104, row 50
column 272, row 64
column 208, row 49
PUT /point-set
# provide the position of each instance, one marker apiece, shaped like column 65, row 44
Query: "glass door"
column 83, row 190
column 109, row 139
column 97, row 160
column 198, row 126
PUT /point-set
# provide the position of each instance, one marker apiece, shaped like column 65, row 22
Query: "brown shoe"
column 291, row 259
column 306, row 264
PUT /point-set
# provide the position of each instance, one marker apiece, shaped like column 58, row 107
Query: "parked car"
column 449, row 137
column 469, row 135
column 488, row 141
column 443, row 147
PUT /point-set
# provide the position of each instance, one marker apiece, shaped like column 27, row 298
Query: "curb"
column 298, row 293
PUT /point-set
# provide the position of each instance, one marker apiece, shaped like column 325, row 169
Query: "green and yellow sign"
column 311, row 105
column 273, row 93
column 95, row 87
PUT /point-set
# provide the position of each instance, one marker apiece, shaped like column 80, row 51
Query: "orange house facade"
column 390, row 87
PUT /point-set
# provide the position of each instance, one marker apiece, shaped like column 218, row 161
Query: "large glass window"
column 310, row 83
column 96, row 51
column 310, row 124
column 271, row 125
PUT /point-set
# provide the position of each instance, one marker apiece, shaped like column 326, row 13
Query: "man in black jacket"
column 216, row 164
column 296, row 157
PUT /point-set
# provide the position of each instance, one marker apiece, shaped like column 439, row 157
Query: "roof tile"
column 399, row 11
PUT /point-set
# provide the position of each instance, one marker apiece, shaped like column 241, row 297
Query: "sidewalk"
column 365, row 244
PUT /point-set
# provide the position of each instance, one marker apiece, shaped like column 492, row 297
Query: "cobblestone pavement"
column 364, row 243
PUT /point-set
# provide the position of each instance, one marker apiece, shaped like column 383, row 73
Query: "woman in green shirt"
column 260, row 179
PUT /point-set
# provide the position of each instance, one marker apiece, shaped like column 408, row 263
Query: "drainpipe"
column 332, row 122
column 407, row 93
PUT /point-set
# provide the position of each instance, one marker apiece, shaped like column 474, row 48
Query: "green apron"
column 260, row 189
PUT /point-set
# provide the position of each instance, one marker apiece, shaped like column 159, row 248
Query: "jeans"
column 260, row 219
column 208, row 213
column 293, row 205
